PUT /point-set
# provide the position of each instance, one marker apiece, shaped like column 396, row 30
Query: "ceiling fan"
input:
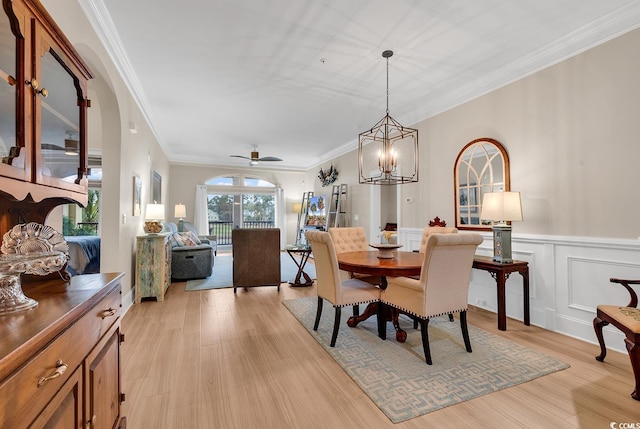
column 255, row 157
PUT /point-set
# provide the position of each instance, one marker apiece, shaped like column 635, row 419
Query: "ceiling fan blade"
column 239, row 156
column 269, row 158
column 49, row 146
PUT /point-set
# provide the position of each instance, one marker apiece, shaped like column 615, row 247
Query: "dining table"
column 402, row 264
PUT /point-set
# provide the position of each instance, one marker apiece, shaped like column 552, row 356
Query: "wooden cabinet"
column 153, row 266
column 60, row 362
column 43, row 100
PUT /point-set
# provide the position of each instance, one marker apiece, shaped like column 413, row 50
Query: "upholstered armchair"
column 256, row 257
column 443, row 286
column 339, row 292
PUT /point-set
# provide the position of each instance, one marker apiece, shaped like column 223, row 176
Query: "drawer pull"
column 60, row 369
column 108, row 313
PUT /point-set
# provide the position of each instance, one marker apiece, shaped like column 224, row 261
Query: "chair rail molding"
column 569, row 277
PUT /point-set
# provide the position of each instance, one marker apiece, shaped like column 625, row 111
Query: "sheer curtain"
column 280, row 214
column 200, row 214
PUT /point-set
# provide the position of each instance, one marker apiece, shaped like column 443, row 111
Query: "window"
column 239, row 202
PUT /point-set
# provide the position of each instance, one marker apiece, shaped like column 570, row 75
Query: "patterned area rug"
column 396, row 377
column 222, row 276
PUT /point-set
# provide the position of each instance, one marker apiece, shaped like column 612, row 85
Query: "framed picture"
column 156, row 188
column 137, row 196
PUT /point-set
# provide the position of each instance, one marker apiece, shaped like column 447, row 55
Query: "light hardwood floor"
column 212, row 359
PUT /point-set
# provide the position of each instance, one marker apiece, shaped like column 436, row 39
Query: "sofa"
column 192, row 256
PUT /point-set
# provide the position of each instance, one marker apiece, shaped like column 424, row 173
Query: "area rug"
column 222, row 276
column 396, row 377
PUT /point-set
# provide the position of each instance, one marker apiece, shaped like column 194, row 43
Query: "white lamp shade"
column 155, row 212
column 501, row 206
column 180, row 211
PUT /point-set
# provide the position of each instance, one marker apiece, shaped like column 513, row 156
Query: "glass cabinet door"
column 14, row 150
column 57, row 101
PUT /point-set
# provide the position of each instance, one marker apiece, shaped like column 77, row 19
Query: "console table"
column 501, row 272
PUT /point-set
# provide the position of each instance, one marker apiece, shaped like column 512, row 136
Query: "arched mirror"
column 482, row 166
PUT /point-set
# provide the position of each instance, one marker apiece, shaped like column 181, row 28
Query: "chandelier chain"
column 387, row 85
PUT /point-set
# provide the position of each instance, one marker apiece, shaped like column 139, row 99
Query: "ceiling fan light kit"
column 254, row 159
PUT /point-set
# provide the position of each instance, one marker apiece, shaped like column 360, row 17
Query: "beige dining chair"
column 352, row 239
column 443, row 287
column 339, row 292
column 434, row 230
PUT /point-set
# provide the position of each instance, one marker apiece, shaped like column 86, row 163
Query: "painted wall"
column 571, row 132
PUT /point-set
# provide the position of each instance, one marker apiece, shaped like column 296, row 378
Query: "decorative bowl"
column 385, row 250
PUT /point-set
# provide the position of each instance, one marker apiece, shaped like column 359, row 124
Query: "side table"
column 303, row 253
column 500, row 273
column 153, row 266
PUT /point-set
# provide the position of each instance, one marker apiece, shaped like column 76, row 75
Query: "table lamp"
column 501, row 207
column 153, row 218
column 180, row 212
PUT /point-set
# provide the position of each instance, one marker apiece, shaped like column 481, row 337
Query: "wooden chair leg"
column 336, row 326
column 465, row 330
column 356, row 310
column 424, row 327
column 415, row 323
column 318, row 314
column 450, row 317
column 634, row 354
column 598, row 324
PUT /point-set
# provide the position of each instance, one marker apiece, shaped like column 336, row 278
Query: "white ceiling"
column 301, row 78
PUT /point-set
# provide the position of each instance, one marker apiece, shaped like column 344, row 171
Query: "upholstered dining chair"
column 339, row 292
column 434, row 230
column 627, row 319
column 352, row 239
column 436, row 226
column 443, row 287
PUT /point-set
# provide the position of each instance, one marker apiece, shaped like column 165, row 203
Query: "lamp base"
column 152, row 226
column 502, row 244
column 180, row 225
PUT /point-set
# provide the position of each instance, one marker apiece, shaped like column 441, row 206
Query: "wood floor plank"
column 215, row 359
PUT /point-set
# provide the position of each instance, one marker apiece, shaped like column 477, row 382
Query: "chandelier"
column 381, row 149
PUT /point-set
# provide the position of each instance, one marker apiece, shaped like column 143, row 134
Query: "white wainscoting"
column 569, row 277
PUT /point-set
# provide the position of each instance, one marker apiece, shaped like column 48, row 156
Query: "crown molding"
column 616, row 23
column 102, row 24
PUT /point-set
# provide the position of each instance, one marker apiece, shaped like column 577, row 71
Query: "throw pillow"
column 183, row 239
column 193, row 237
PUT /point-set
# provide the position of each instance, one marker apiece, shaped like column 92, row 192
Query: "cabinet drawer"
column 25, row 393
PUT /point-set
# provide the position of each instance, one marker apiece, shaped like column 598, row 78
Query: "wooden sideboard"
column 60, row 361
column 153, row 266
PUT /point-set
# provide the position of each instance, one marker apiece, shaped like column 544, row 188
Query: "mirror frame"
column 506, row 174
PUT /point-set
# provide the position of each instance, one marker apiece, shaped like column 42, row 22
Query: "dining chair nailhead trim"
column 404, row 310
